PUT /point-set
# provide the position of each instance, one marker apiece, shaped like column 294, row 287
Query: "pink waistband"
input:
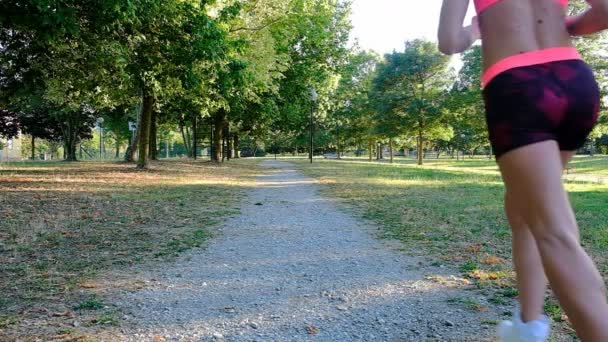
column 527, row 59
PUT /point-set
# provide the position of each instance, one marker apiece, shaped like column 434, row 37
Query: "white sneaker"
column 518, row 331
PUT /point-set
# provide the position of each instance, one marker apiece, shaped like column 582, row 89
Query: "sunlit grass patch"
column 453, row 212
column 64, row 223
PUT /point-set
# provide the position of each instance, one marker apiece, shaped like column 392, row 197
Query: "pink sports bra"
column 482, row 5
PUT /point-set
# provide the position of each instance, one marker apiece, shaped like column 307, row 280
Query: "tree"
column 409, row 91
column 465, row 106
column 350, row 100
column 116, row 121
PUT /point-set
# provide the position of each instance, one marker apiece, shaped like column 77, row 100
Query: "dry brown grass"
column 61, row 224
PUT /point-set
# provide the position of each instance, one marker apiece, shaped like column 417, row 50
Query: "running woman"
column 542, row 101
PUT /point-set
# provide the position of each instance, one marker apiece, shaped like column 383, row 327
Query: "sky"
column 384, row 25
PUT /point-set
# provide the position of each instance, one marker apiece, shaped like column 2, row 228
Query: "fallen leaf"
column 492, row 260
column 473, row 248
column 159, row 339
column 88, row 285
column 67, row 313
column 61, row 337
column 311, row 329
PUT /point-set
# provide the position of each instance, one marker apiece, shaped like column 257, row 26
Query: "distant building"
column 11, row 150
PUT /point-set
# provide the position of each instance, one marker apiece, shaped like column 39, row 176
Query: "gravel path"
column 294, row 266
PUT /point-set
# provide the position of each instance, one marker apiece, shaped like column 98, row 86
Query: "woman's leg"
column 532, row 175
column 531, row 279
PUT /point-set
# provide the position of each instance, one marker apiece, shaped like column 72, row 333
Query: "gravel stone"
column 299, row 259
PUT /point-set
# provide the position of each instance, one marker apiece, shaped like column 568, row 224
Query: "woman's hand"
column 591, row 21
column 475, row 30
column 453, row 38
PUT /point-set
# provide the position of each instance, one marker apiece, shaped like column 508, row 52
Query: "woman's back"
column 512, row 27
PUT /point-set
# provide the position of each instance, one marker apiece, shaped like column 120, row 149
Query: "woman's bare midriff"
column 512, row 27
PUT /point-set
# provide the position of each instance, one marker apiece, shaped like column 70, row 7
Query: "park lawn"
column 62, row 224
column 452, row 211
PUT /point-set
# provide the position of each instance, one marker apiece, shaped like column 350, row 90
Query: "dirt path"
column 296, row 267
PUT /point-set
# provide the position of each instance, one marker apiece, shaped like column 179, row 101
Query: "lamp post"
column 99, row 122
column 313, row 99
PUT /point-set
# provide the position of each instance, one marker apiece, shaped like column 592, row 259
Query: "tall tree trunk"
column 223, row 145
column 130, row 152
column 186, row 138
column 237, row 148
column 390, row 147
column 419, row 147
column 194, row 137
column 33, row 147
column 370, row 145
column 378, row 151
column 153, row 136
column 117, row 148
column 338, row 143
column 211, row 148
column 144, row 136
column 228, row 142
column 218, row 127
column 69, row 140
column 69, row 152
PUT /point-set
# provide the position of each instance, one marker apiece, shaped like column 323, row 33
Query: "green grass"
column 469, row 303
column 454, row 209
column 452, row 212
column 63, row 224
column 92, row 303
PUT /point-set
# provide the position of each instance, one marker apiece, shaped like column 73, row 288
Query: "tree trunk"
column 117, row 148
column 228, row 142
column 219, row 122
column 130, row 152
column 153, row 137
column 390, row 147
column 70, row 149
column 370, row 146
column 223, row 145
column 211, row 149
column 194, row 137
column 378, row 151
column 144, row 135
column 339, row 151
column 69, row 142
column 419, row 147
column 237, row 148
column 185, row 138
column 33, row 147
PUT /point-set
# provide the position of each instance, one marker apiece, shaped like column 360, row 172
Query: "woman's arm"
column 453, row 37
column 591, row 21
